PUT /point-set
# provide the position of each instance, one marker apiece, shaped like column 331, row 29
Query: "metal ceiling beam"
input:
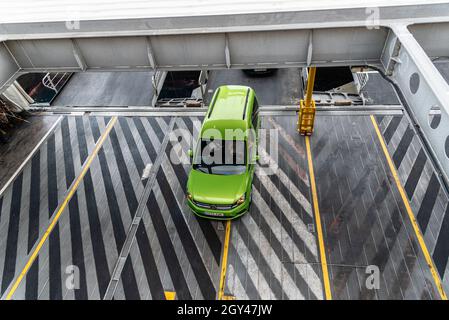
column 332, row 17
column 276, row 40
column 150, row 54
column 310, row 49
column 227, row 53
column 78, row 56
column 235, row 50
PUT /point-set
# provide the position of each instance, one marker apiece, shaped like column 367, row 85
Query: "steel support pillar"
column 424, row 89
column 9, row 70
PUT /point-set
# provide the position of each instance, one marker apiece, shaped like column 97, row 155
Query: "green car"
column 219, row 184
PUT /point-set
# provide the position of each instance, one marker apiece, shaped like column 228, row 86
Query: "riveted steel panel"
column 43, row 53
column 278, row 47
column 114, row 52
column 189, row 50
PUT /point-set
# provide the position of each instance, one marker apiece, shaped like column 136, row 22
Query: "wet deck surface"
column 107, row 89
column 272, row 250
column 21, row 143
column 379, row 91
column 364, row 218
column 283, row 87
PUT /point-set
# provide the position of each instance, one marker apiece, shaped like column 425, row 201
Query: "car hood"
column 216, row 189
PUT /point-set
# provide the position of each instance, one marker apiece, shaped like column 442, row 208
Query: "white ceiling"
column 17, row 11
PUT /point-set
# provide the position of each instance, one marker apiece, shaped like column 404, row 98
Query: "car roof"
column 228, row 109
column 229, row 103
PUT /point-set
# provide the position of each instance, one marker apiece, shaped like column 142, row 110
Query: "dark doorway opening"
column 179, row 84
column 43, row 87
column 328, row 78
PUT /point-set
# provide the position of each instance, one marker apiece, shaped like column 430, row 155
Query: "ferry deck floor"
column 285, row 83
column 99, row 212
column 107, row 89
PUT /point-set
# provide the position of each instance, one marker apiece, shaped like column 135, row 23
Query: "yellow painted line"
column 224, row 261
column 170, row 295
column 316, row 209
column 62, row 207
column 415, row 225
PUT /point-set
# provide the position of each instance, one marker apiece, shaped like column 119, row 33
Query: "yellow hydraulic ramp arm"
column 306, row 117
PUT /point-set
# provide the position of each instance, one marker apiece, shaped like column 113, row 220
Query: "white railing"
column 361, row 79
column 53, row 80
column 157, row 81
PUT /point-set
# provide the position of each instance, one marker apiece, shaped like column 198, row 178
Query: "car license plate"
column 215, row 214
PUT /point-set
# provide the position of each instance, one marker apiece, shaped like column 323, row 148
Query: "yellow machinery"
column 307, row 108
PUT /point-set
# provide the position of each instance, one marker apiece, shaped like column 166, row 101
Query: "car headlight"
column 241, row 200
column 189, row 196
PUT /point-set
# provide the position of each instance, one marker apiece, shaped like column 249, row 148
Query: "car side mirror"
column 190, row 153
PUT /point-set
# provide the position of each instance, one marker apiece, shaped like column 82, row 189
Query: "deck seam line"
column 138, row 217
column 264, row 107
column 57, row 213
column 410, row 213
column 264, row 110
column 31, row 154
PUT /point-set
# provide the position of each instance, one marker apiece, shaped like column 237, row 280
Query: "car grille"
column 214, row 206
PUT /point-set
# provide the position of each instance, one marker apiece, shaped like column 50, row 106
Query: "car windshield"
column 222, row 157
